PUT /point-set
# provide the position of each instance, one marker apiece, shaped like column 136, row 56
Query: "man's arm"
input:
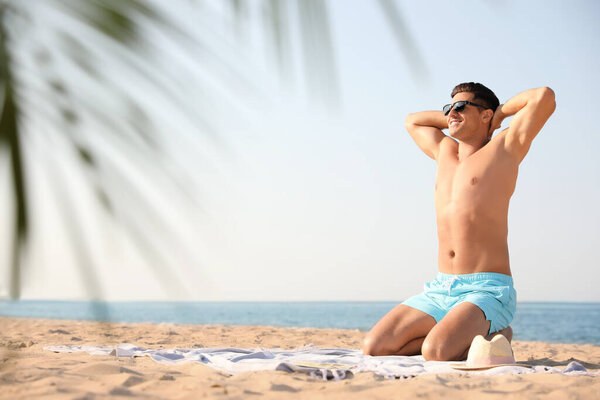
column 531, row 110
column 425, row 128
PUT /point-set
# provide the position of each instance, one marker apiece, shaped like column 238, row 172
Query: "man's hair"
column 482, row 93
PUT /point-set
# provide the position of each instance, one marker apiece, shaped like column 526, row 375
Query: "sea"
column 534, row 321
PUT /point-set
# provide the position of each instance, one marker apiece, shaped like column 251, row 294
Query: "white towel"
column 326, row 364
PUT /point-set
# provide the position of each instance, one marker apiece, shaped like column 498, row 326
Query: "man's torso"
column 471, row 201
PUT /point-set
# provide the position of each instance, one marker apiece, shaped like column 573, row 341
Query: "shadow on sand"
column 552, row 363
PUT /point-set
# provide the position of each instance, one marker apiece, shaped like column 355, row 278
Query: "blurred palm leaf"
column 11, row 141
column 111, row 83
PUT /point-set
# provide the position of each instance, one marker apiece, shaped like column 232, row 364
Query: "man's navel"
column 451, row 253
column 474, row 180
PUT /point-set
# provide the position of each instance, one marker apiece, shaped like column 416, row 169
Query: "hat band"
column 485, row 361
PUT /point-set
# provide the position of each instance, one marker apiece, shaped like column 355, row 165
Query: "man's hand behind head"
column 497, row 119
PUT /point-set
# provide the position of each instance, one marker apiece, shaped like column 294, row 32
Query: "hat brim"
column 465, row 367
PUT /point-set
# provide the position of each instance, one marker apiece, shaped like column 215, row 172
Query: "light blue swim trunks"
column 493, row 293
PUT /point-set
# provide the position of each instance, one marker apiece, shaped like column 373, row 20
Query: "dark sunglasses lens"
column 460, row 105
column 447, row 109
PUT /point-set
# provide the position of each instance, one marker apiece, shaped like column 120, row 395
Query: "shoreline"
column 29, row 371
column 250, row 326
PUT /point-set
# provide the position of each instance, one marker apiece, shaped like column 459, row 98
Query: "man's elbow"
column 546, row 95
column 410, row 121
column 546, row 98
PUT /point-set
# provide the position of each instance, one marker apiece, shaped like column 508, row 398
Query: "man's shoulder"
column 448, row 150
column 448, row 143
column 500, row 136
column 500, row 143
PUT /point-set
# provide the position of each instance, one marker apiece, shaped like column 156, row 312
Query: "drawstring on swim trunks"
column 454, row 279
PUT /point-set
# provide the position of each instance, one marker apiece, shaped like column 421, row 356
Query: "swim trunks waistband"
column 479, row 276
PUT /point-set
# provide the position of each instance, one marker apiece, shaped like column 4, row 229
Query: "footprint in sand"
column 123, row 380
column 119, row 391
column 246, row 391
column 283, row 388
column 105, row 369
column 61, row 331
column 114, row 375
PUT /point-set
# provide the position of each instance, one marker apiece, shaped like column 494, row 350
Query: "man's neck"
column 467, row 148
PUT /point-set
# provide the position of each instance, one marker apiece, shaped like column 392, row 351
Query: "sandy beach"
column 28, row 371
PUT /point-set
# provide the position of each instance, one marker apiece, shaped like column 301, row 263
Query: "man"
column 473, row 293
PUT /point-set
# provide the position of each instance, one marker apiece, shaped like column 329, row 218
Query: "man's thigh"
column 451, row 337
column 397, row 329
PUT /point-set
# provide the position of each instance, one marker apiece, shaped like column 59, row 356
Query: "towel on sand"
column 325, row 364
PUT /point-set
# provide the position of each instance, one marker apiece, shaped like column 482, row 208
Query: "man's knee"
column 371, row 346
column 438, row 350
column 376, row 346
column 368, row 346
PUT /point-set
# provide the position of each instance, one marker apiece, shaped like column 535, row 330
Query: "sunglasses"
column 459, row 106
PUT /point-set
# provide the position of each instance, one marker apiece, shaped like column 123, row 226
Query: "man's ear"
column 487, row 115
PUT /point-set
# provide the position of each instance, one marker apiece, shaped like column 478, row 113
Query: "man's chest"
column 481, row 178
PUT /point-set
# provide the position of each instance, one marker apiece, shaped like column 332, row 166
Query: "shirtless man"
column 473, row 293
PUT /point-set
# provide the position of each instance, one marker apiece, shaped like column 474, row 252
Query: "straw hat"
column 485, row 354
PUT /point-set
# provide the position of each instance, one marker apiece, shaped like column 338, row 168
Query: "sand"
column 27, row 371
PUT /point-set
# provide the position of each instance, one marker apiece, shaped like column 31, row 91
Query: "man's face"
column 462, row 125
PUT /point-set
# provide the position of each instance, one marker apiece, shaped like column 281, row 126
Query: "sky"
column 304, row 202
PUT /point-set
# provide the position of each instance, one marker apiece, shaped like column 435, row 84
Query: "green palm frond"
column 10, row 143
